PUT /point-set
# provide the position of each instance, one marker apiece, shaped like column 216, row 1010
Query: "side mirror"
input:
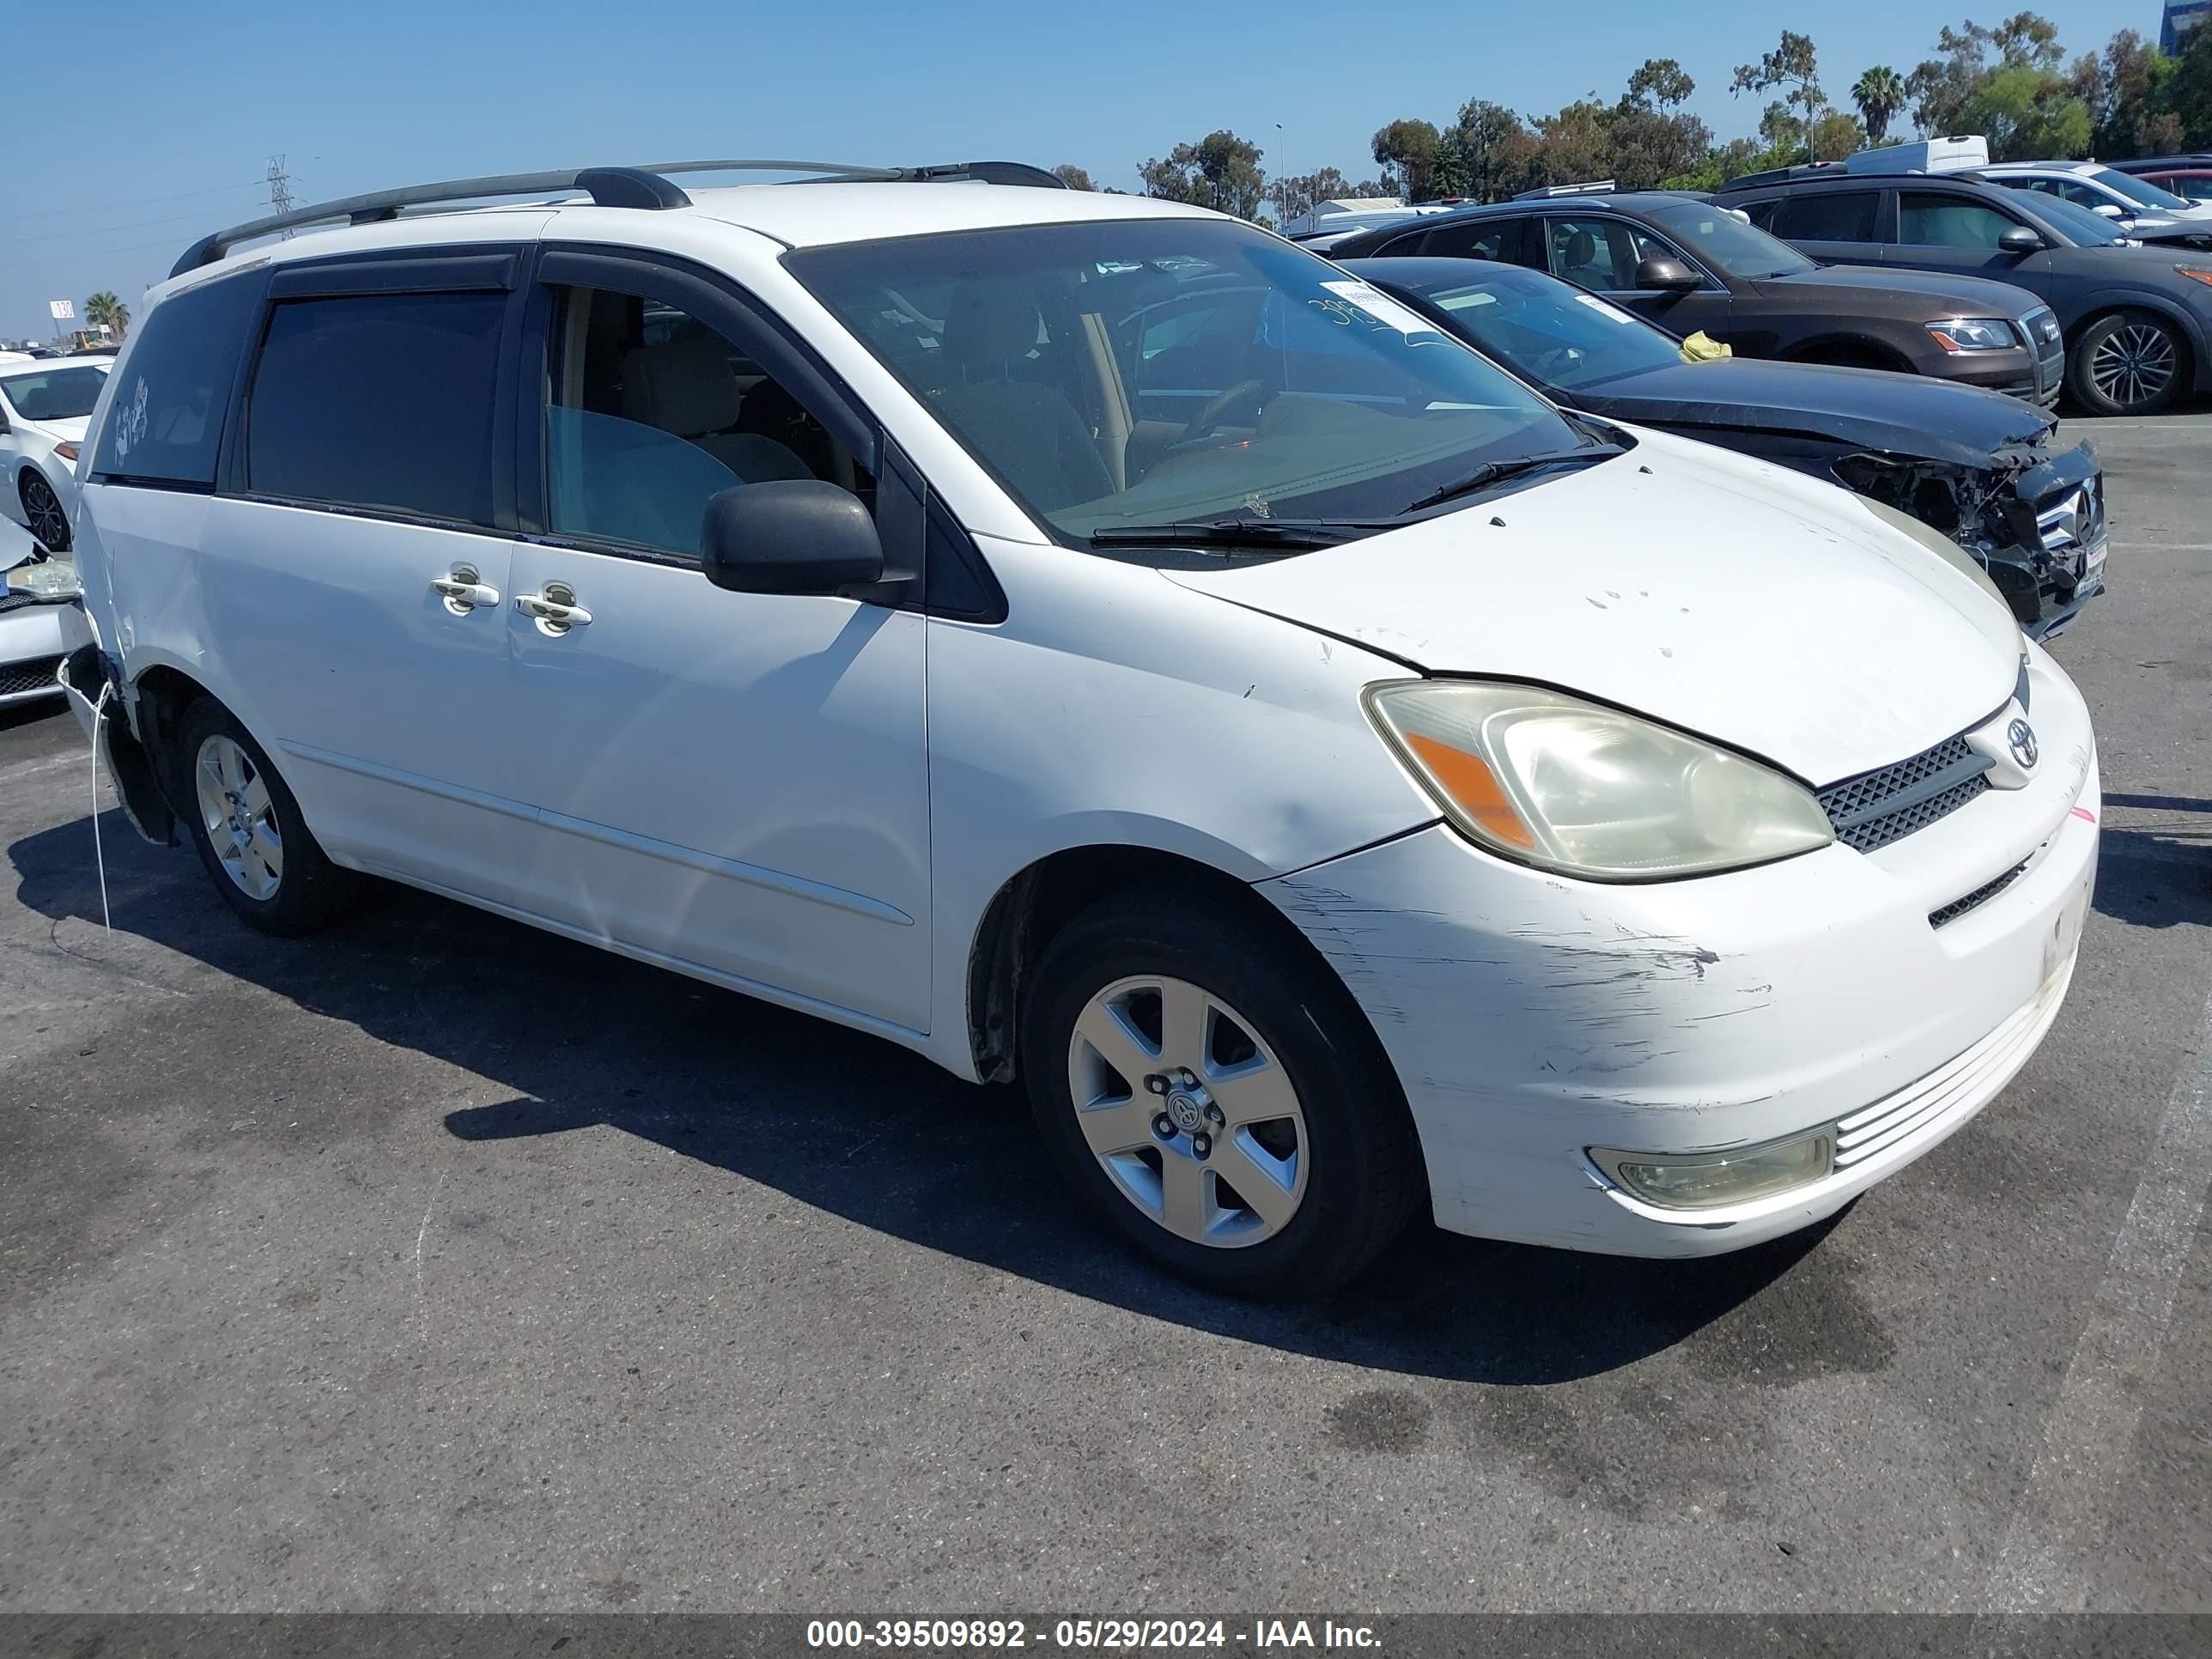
column 2108, row 210
column 2020, row 238
column 791, row 536
column 1668, row 276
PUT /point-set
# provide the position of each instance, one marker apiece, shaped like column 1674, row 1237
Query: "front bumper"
column 1531, row 1017
column 32, row 644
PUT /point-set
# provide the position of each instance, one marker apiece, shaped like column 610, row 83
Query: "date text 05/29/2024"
column 947, row 1635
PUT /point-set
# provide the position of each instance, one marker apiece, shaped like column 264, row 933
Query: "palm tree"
column 1879, row 94
column 104, row 310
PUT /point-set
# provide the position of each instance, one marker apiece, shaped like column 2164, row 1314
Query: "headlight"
column 1974, row 334
column 51, row 578
column 1549, row 780
column 1940, row 545
column 1707, row 1181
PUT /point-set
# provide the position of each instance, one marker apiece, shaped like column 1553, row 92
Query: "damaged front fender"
column 94, row 682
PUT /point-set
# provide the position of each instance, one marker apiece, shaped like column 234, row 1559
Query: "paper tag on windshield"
column 1603, row 309
column 1382, row 307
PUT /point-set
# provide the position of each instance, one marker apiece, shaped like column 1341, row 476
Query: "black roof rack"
column 630, row 187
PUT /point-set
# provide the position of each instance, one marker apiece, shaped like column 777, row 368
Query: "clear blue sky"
column 159, row 119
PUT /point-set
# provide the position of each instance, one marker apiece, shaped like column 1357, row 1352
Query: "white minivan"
column 1091, row 641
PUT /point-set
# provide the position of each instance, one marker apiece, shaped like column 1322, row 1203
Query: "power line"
column 93, row 253
column 199, row 218
column 141, row 201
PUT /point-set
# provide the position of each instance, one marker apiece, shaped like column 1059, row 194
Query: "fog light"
column 1707, row 1181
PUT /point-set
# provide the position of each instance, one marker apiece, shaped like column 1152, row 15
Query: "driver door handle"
column 464, row 590
column 554, row 609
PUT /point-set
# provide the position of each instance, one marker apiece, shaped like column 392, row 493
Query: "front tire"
column 42, row 512
column 248, row 831
column 2128, row 363
column 1216, row 1097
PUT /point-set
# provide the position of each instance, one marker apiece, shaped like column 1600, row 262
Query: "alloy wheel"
column 2134, row 364
column 1188, row 1111
column 42, row 510
column 240, row 818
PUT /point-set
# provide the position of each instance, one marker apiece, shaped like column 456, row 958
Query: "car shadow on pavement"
column 2155, row 878
column 857, row 1127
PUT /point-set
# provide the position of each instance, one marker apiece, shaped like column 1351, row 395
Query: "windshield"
column 55, row 394
column 2080, row 226
column 1157, row 371
column 1719, row 237
column 2137, row 190
column 1550, row 331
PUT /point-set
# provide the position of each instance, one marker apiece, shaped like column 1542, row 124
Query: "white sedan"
column 44, row 406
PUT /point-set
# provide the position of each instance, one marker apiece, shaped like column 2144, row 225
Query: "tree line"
column 2013, row 83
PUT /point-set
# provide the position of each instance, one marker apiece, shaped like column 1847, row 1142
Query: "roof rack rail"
column 1594, row 187
column 631, row 187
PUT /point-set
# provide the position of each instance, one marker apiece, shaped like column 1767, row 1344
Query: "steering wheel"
column 1218, row 405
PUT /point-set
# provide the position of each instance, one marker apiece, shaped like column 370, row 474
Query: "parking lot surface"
column 437, row 1264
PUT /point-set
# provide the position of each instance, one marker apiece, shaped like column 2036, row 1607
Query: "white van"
column 1092, row 641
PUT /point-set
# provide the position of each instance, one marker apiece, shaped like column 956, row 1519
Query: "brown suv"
column 1688, row 265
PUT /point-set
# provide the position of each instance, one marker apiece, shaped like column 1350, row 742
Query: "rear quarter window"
column 165, row 419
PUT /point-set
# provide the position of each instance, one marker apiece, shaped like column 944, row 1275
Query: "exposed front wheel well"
column 162, row 695
column 1026, row 913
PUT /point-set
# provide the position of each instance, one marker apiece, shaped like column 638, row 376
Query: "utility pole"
column 280, row 186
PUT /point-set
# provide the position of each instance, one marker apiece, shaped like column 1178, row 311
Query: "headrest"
column 685, row 386
column 989, row 321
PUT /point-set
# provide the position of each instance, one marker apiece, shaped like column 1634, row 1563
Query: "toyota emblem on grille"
column 2021, row 736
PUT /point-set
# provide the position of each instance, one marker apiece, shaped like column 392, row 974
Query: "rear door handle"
column 464, row 590
column 556, row 609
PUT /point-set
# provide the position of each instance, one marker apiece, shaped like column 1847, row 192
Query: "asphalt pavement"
column 436, row 1264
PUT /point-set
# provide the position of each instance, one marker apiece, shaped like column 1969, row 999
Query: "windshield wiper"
column 1289, row 535
column 1491, row 471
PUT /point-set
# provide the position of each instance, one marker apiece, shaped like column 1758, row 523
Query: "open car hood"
column 1860, row 408
column 1722, row 595
column 16, row 546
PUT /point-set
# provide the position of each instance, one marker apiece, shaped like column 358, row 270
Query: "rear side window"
column 164, row 421
column 1847, row 215
column 381, row 401
column 1929, row 220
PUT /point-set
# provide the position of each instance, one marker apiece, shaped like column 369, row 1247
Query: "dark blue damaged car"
column 1984, row 469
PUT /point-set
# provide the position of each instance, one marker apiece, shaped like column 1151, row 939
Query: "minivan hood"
column 1865, row 408
column 1731, row 597
column 1943, row 294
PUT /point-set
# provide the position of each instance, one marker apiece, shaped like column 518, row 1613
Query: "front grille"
column 17, row 601
column 36, row 675
column 2073, row 524
column 1975, row 899
column 1878, row 807
column 2045, row 340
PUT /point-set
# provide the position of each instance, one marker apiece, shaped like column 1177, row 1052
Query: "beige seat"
column 686, row 386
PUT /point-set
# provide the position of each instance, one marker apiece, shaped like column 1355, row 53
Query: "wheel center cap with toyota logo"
column 1189, row 1116
column 2021, row 736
